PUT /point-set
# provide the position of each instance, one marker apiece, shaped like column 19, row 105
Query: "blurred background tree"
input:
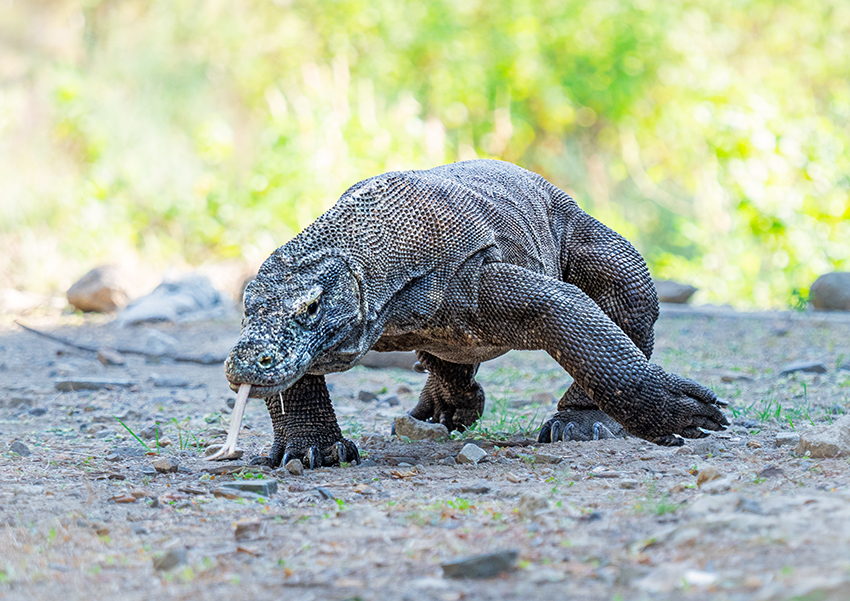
column 713, row 135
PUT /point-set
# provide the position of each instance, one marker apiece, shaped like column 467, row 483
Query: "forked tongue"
column 235, row 424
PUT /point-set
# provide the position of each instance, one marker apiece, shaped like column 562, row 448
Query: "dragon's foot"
column 456, row 411
column 312, row 453
column 580, row 424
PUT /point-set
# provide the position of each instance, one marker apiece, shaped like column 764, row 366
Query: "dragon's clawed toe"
column 579, row 424
column 312, row 457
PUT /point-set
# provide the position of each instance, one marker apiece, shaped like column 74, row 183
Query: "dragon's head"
column 298, row 312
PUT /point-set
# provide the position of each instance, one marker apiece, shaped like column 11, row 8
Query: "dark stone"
column 20, row 448
column 487, row 565
column 169, row 381
column 170, row 560
column 37, row 411
column 366, row 396
column 812, row 367
column 392, row 401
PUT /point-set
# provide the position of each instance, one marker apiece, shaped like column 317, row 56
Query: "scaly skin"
column 460, row 263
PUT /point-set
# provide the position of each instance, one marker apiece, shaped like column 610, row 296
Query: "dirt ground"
column 84, row 515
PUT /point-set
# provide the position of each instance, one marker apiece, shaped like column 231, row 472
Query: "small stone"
column 771, row 471
column 367, row 463
column 676, row 489
column 366, row 396
column 108, row 356
column 481, row 566
column 471, row 453
column 717, row 486
column 98, row 291
column 543, row 398
column 403, row 389
column 150, row 432
column 159, row 343
column 812, row 367
column 629, row 484
column 786, row 439
column 71, row 385
column 392, row 401
column 294, row 467
column 164, row 441
column 215, row 448
column 165, row 465
column 264, row 488
column 826, row 441
column 113, row 457
column 246, row 529
column 37, row 411
column 673, row 292
column 707, row 475
column 684, row 450
column 448, row 461
column 20, row 448
column 477, row 488
column 513, row 478
column 170, row 560
column 415, row 429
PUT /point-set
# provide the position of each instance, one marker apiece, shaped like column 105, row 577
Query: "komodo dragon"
column 460, row 263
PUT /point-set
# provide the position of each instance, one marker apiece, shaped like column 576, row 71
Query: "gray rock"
column 543, row 458
column 215, row 448
column 392, row 401
column 831, row 292
column 471, row 453
column 366, row 396
column 294, row 467
column 98, row 291
column 414, row 429
column 826, row 441
column 20, row 448
column 784, row 439
column 159, row 343
column 188, row 299
column 397, row 359
column 264, row 488
column 170, row 560
column 673, row 292
column 478, row 488
column 629, row 484
column 707, row 446
column 70, row 385
column 448, row 461
column 487, row 565
column 37, row 411
column 149, row 432
column 812, row 367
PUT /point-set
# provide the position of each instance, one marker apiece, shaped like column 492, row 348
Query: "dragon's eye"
column 313, row 308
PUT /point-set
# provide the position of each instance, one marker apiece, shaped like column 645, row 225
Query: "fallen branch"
column 205, row 359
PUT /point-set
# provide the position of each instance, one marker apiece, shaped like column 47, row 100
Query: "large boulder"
column 98, row 291
column 831, row 292
column 673, row 292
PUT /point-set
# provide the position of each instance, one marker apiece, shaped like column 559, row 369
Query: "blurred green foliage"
column 713, row 135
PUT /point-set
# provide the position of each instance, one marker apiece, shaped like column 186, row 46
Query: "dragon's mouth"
column 258, row 391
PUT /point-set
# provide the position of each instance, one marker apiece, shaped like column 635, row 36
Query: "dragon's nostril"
column 265, row 361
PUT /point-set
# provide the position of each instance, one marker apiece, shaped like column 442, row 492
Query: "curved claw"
column 287, row 457
column 340, row 452
column 601, row 431
column 545, row 433
column 669, row 440
column 261, row 460
column 354, row 454
column 314, row 458
column 558, row 431
column 568, row 432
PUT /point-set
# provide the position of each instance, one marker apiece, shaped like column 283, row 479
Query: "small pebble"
column 20, row 448
column 481, row 566
column 165, row 465
column 629, row 484
column 170, row 560
column 366, row 396
column 471, row 453
column 707, row 475
column 294, row 467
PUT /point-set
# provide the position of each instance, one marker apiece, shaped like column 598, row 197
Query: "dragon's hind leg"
column 451, row 395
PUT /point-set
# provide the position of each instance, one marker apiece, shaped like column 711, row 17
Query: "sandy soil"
column 85, row 515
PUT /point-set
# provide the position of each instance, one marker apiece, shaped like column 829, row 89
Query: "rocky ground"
column 90, row 509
